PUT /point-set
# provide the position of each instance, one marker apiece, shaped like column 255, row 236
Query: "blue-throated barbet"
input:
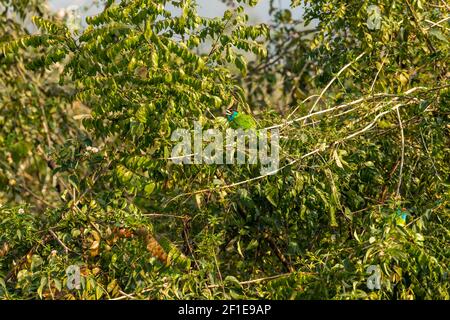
column 238, row 120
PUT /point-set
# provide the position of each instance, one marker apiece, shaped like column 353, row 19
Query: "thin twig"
column 266, row 278
column 245, row 181
column 403, row 151
column 433, row 24
column 161, row 215
column 126, row 295
column 357, row 101
column 429, row 156
column 378, row 73
column 332, row 80
column 422, row 31
column 66, row 249
column 34, row 195
column 278, row 253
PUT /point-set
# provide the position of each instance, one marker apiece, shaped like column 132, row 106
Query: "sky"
column 207, row 8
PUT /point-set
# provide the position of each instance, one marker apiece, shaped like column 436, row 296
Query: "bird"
column 402, row 215
column 239, row 120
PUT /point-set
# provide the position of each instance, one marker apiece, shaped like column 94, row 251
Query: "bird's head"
column 231, row 114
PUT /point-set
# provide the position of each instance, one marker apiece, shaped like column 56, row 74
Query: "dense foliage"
column 86, row 119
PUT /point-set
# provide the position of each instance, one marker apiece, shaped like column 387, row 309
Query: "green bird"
column 238, row 120
column 402, row 216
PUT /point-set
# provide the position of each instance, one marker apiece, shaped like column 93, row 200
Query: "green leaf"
column 42, row 285
column 241, row 64
column 58, row 284
column 438, row 35
column 232, row 280
column 149, row 188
